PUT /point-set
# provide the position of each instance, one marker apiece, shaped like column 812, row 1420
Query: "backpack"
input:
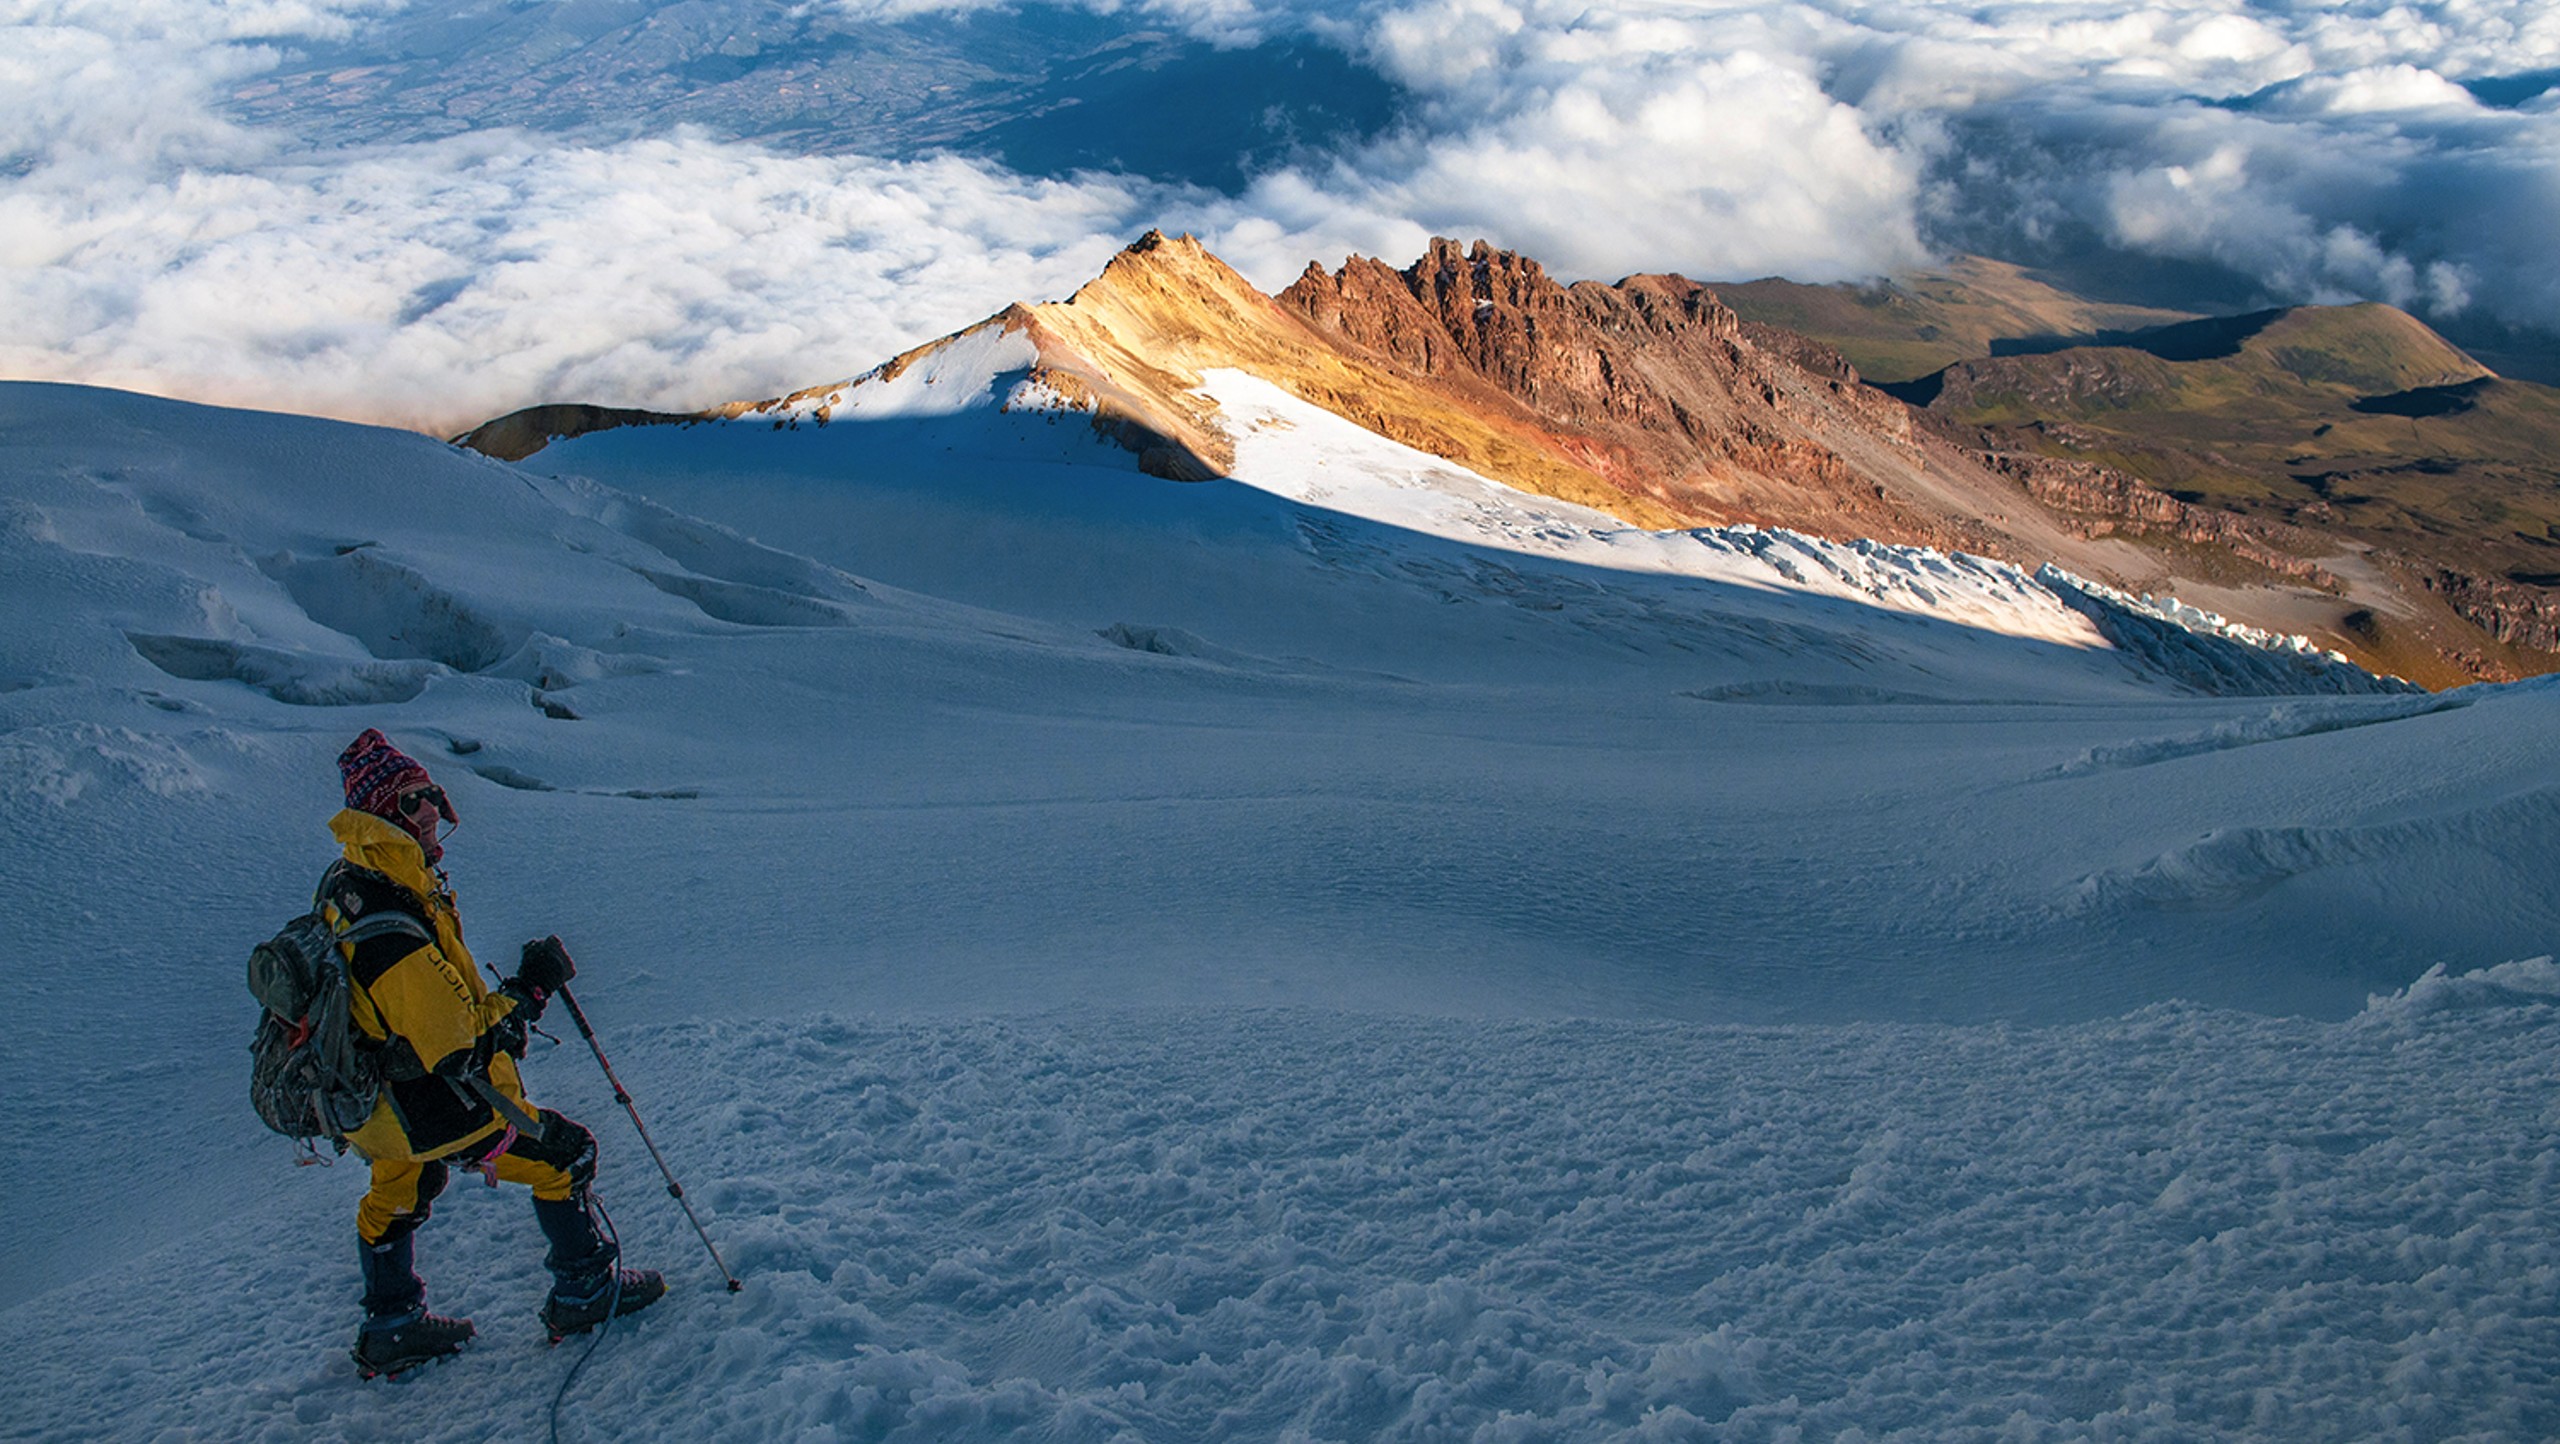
column 311, row 1074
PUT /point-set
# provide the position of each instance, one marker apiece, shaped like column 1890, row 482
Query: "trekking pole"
column 622, row 1096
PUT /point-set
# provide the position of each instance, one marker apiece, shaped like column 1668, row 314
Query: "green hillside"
column 2348, row 416
column 2358, row 423
column 1911, row 326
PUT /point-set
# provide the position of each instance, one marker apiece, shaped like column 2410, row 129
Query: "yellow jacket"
column 424, row 1003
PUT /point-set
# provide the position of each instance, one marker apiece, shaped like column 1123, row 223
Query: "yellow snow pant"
column 404, row 1189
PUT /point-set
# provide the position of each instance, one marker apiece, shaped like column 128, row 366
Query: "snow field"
column 1203, row 1224
column 933, row 868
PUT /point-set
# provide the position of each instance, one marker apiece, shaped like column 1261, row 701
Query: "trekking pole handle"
column 622, row 1096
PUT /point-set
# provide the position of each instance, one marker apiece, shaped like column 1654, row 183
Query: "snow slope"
column 1340, row 952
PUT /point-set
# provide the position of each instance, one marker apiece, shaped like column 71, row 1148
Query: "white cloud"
column 1221, row 22
column 437, row 285
column 200, row 22
column 1606, row 141
column 2385, row 183
column 81, row 100
column 2327, row 151
column 2372, row 90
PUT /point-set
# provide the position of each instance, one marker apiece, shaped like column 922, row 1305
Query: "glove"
column 544, row 968
column 529, row 1001
column 507, row 1035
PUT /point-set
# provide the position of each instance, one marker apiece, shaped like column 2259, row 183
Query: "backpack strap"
column 380, row 905
column 383, row 924
column 342, row 871
column 395, row 912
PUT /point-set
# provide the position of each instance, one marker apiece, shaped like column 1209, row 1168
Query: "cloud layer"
column 437, row 285
column 2312, row 151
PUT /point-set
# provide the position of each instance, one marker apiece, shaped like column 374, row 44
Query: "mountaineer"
column 448, row 1046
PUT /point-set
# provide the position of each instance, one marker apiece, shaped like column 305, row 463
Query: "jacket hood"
column 371, row 842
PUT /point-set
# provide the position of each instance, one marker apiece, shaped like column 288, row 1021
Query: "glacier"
column 1341, row 951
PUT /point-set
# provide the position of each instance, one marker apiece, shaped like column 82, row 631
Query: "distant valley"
column 2354, row 429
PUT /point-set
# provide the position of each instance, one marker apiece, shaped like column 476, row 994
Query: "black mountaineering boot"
column 388, row 1346
column 586, row 1288
column 398, row 1331
column 620, row 1291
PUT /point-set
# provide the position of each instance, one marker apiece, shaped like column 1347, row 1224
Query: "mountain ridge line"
column 1654, row 401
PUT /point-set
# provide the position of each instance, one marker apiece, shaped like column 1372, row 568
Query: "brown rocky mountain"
column 1651, row 384
column 1653, row 400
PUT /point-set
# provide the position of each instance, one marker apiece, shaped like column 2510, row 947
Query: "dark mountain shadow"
column 2450, row 400
column 2209, row 339
column 1918, row 391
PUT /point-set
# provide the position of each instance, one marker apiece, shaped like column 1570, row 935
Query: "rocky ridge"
column 1651, row 383
column 1649, row 399
column 2101, row 501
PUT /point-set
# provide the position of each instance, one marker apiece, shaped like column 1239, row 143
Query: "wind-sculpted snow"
column 1271, row 1223
column 699, row 546
column 2490, row 993
column 392, row 608
column 2201, row 650
column 1336, row 951
column 551, row 664
column 747, row 606
column 1782, row 693
column 298, row 678
column 250, row 571
column 1164, row 642
column 2280, row 723
column 2228, row 865
column 72, row 763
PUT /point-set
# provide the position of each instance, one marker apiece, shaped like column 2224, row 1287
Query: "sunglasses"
column 428, row 796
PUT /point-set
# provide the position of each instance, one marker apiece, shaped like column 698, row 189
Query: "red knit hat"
column 377, row 773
